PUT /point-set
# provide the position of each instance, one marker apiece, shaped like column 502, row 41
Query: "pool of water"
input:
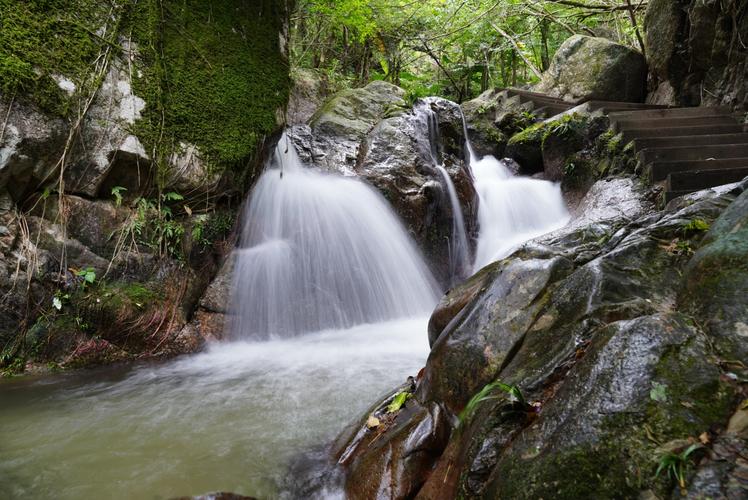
column 227, row 419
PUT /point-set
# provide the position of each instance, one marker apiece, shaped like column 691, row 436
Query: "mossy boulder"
column 586, row 68
column 492, row 118
column 561, row 148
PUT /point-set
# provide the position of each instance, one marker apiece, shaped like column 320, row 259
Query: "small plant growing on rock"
column 676, row 464
column 513, row 394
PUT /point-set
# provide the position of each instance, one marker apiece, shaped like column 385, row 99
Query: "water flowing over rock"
column 512, row 209
column 320, row 248
column 400, row 157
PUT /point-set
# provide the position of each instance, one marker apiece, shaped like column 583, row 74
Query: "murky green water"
column 228, row 419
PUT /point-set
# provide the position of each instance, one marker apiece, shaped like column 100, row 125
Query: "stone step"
column 665, row 112
column 694, row 152
column 651, row 132
column 608, row 107
column 659, row 170
column 696, row 180
column 529, row 93
column 689, row 140
column 551, row 109
column 663, row 123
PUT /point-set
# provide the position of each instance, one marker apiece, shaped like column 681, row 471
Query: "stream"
column 330, row 301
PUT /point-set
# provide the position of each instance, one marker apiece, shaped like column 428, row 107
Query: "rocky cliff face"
column 697, row 53
column 125, row 146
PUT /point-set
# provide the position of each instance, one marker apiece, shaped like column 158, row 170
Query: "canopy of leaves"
column 455, row 48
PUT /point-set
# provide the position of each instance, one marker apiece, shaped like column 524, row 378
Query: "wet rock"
column 394, row 458
column 715, row 282
column 590, row 439
column 470, row 353
column 396, row 159
column 595, row 68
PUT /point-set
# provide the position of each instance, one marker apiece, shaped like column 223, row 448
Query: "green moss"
column 568, row 124
column 212, row 76
column 40, row 39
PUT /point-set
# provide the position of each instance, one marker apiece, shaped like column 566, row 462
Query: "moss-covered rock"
column 715, row 282
column 492, row 118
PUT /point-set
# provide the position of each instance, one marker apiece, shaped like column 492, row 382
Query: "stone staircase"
column 688, row 148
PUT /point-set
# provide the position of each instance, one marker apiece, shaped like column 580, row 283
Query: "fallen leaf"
column 372, row 422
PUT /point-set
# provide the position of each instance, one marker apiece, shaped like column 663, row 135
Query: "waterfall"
column 459, row 250
column 511, row 210
column 321, row 251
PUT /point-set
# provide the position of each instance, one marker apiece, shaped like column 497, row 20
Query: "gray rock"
column 31, row 144
column 595, row 68
column 338, row 127
column 110, row 155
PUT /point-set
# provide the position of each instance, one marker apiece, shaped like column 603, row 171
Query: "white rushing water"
column 511, row 209
column 322, row 251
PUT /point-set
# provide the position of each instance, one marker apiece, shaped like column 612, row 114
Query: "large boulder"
column 109, row 155
column 586, row 68
column 337, row 128
column 31, row 144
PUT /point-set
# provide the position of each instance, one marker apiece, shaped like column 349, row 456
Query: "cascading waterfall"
column 322, row 251
column 511, row 209
column 459, row 250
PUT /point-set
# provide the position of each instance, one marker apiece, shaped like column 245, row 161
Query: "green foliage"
column 117, row 193
column 511, row 392
column 461, row 48
column 155, row 225
column 658, row 393
column 695, row 226
column 88, row 274
column 209, row 228
column 676, row 464
column 398, row 401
